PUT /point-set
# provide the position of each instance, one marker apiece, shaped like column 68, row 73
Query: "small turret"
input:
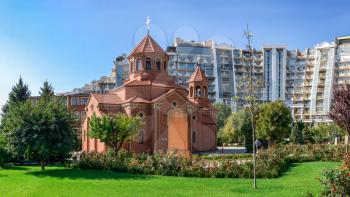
column 198, row 86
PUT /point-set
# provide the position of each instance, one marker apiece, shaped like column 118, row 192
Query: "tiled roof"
column 198, row 75
column 147, row 45
column 107, row 98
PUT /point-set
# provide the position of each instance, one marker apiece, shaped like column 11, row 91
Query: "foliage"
column 4, row 156
column 40, row 132
column 225, row 156
column 336, row 182
column 326, row 132
column 271, row 163
column 114, row 130
column 224, row 111
column 46, row 90
column 238, row 129
column 274, row 122
column 19, row 93
column 340, row 109
column 296, row 135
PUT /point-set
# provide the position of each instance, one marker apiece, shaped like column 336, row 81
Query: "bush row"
column 271, row 163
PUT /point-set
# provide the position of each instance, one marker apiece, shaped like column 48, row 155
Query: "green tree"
column 40, row 132
column 46, row 90
column 55, row 137
column 19, row 93
column 114, row 130
column 274, row 122
column 224, row 111
column 238, row 129
column 308, row 135
column 296, row 135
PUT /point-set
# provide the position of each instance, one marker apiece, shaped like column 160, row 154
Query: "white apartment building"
column 275, row 65
column 327, row 68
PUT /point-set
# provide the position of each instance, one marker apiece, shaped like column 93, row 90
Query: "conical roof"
column 198, row 75
column 147, row 45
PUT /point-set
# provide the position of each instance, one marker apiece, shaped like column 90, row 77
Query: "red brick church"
column 175, row 119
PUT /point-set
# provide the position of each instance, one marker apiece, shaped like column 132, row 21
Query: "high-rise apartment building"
column 327, row 68
column 121, row 69
column 295, row 75
column 241, row 74
column 275, row 66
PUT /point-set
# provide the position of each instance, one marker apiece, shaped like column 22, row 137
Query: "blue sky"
column 71, row 42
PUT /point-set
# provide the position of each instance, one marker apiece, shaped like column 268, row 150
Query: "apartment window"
column 84, row 100
column 75, row 101
column 77, row 115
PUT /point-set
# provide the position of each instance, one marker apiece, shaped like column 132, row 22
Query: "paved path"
column 227, row 150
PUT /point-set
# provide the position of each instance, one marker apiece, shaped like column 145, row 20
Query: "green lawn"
column 58, row 181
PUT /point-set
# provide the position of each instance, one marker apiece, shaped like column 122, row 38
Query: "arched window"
column 191, row 91
column 148, row 64
column 138, row 65
column 131, row 67
column 141, row 133
column 164, row 65
column 204, row 91
column 158, row 64
column 194, row 137
column 198, row 91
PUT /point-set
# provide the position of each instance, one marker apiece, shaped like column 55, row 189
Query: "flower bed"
column 271, row 163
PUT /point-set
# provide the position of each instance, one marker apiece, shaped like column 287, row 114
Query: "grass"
column 58, row 181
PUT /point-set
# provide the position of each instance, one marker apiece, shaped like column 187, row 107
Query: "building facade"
column 304, row 80
column 174, row 119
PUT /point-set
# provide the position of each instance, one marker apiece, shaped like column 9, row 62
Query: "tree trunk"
column 346, row 142
column 42, row 164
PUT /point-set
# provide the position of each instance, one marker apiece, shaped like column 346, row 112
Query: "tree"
column 54, row 135
column 47, row 90
column 274, row 122
column 296, row 135
column 238, row 129
column 224, row 111
column 40, row 132
column 340, row 109
column 19, row 93
column 114, row 130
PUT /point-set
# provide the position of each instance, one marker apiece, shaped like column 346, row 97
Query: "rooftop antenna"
column 148, row 24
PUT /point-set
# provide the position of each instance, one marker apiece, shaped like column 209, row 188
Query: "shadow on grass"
column 86, row 174
column 22, row 168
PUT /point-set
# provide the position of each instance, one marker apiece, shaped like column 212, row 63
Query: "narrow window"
column 141, row 137
column 148, row 64
column 138, row 65
column 194, row 137
column 158, row 64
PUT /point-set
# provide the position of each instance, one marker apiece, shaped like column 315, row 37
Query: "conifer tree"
column 19, row 93
column 46, row 90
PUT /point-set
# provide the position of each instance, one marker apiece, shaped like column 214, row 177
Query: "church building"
column 175, row 119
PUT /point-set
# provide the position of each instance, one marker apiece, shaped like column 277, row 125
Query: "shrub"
column 271, row 163
column 336, row 182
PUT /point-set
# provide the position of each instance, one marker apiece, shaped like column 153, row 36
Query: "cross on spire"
column 148, row 23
